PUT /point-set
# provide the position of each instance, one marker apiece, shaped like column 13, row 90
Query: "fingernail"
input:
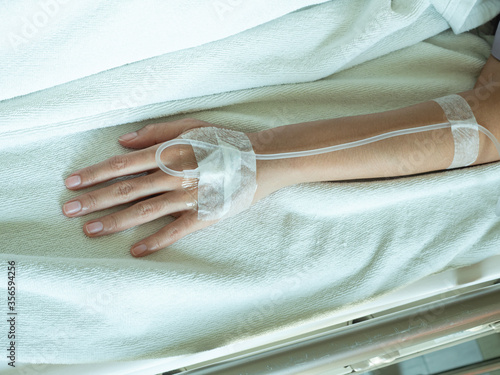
column 94, row 227
column 73, row 181
column 72, row 207
column 128, row 137
column 138, row 250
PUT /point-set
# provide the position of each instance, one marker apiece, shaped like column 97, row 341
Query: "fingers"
column 177, row 202
column 119, row 193
column 134, row 162
column 140, row 213
column 116, row 166
column 158, row 133
column 181, row 227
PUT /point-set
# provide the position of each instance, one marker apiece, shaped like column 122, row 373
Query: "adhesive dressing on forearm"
column 226, row 171
column 464, row 128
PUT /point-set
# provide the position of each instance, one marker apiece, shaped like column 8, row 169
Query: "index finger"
column 116, row 166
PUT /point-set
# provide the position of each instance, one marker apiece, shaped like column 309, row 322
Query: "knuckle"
column 178, row 231
column 175, row 232
column 194, row 122
column 188, row 120
column 112, row 223
column 146, row 210
column 149, row 127
column 155, row 244
column 124, row 189
column 91, row 201
column 189, row 222
column 89, row 176
column 151, row 180
column 118, row 163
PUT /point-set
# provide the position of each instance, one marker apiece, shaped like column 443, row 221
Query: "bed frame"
column 375, row 341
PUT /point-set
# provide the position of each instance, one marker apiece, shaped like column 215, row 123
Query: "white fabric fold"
column 296, row 255
column 50, row 42
column 346, row 33
column 464, row 15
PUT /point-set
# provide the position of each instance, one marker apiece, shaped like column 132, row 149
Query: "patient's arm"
column 403, row 155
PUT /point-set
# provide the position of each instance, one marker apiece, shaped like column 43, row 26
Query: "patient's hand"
column 165, row 194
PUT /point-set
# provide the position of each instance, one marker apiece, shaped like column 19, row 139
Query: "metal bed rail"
column 372, row 343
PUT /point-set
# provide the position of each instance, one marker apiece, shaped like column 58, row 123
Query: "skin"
column 161, row 194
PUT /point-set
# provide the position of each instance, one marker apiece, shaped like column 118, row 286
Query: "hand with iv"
column 218, row 177
column 156, row 193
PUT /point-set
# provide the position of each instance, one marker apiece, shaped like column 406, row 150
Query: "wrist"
column 272, row 175
column 299, row 137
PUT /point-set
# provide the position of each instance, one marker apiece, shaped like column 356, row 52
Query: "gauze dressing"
column 226, row 170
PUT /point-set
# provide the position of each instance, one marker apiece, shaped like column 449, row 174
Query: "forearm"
column 398, row 156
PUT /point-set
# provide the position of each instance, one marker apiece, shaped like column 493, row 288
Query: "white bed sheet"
column 438, row 284
column 311, row 230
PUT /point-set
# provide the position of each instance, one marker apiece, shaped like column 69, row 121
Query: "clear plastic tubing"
column 324, row 150
column 362, row 142
column 375, row 139
column 194, row 173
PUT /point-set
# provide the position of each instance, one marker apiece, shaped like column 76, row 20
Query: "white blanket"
column 304, row 252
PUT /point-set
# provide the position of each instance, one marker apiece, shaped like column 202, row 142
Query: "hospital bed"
column 384, row 335
column 439, row 311
column 379, row 340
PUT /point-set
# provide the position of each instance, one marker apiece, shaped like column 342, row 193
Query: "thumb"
column 153, row 134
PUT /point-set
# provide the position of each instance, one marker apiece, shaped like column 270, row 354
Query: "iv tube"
column 193, row 173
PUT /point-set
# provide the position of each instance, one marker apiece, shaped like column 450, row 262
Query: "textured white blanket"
column 304, row 252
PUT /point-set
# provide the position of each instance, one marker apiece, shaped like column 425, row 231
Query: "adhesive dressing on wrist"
column 226, row 171
column 464, row 128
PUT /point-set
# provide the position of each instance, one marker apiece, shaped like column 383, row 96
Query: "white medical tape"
column 227, row 171
column 464, row 129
